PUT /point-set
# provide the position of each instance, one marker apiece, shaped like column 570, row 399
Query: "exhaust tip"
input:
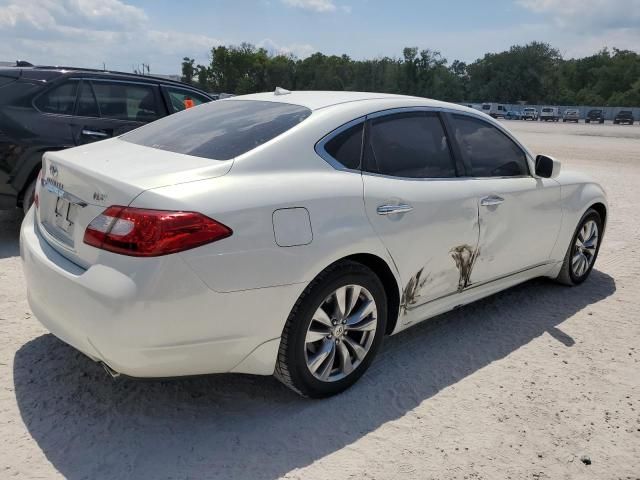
column 112, row 373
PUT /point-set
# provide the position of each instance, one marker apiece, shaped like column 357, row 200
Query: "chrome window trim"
column 320, row 145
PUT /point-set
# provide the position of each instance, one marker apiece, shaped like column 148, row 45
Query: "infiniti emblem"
column 53, row 170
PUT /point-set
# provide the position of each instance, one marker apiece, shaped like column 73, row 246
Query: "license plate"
column 64, row 214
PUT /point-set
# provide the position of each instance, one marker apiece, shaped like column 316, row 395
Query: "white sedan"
column 287, row 233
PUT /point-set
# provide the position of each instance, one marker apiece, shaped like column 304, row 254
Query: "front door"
column 519, row 214
column 418, row 205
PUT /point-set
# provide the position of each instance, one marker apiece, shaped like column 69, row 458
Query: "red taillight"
column 149, row 233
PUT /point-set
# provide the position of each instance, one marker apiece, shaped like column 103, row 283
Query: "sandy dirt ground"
column 539, row 382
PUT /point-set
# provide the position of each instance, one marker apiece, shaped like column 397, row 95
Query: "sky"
column 126, row 33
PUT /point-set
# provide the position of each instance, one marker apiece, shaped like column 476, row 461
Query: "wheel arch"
column 602, row 211
column 383, row 271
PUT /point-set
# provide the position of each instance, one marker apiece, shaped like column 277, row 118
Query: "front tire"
column 333, row 331
column 583, row 250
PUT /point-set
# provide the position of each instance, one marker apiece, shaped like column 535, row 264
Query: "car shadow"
column 241, row 426
column 10, row 233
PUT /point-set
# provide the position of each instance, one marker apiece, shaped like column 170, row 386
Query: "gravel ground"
column 538, row 382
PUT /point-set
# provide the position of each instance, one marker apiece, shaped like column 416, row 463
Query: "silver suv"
column 571, row 115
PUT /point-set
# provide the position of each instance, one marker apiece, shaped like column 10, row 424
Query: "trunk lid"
column 80, row 183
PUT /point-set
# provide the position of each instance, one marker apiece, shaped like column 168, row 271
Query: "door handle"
column 491, row 200
column 393, row 209
column 94, row 133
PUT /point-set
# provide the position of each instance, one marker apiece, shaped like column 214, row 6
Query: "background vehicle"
column 594, row 116
column 495, row 110
column 550, row 114
column 571, row 115
column 529, row 113
column 624, row 116
column 52, row 108
column 513, row 115
column 275, row 252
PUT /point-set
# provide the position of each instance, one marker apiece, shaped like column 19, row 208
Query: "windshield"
column 220, row 130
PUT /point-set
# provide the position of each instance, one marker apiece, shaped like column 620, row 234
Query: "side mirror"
column 547, row 167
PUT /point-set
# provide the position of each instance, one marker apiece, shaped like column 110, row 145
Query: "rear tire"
column 317, row 325
column 28, row 197
column 584, row 247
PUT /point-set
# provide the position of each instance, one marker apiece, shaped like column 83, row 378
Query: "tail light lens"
column 150, row 233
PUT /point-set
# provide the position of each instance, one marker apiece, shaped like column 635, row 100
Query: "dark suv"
column 624, row 116
column 594, row 116
column 52, row 108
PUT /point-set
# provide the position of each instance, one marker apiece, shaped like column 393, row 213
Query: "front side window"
column 346, row 146
column 182, row 99
column 220, row 130
column 488, row 151
column 60, row 99
column 410, row 145
column 123, row 101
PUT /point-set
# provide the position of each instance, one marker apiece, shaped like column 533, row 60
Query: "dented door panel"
column 519, row 232
column 432, row 245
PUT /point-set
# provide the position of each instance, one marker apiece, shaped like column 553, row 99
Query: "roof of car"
column 51, row 72
column 315, row 100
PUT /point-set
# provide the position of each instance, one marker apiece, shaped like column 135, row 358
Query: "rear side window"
column 488, row 151
column 220, row 130
column 60, row 99
column 346, row 146
column 410, row 145
column 182, row 99
column 123, row 101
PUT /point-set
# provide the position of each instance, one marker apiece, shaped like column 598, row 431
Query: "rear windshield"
column 547, row 110
column 220, row 130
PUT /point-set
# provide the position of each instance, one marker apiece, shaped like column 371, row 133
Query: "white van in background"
column 495, row 110
column 550, row 113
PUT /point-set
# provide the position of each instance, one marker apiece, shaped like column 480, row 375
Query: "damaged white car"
column 288, row 233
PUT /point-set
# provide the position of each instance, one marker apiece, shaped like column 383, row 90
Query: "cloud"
column 321, row 6
column 582, row 27
column 89, row 32
column 578, row 14
column 300, row 50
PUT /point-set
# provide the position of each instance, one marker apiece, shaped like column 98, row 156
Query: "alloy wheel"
column 584, row 250
column 341, row 333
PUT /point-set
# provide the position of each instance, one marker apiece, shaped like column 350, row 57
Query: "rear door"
column 108, row 108
column 519, row 214
column 418, row 205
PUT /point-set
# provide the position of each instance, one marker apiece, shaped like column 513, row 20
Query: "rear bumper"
column 157, row 320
